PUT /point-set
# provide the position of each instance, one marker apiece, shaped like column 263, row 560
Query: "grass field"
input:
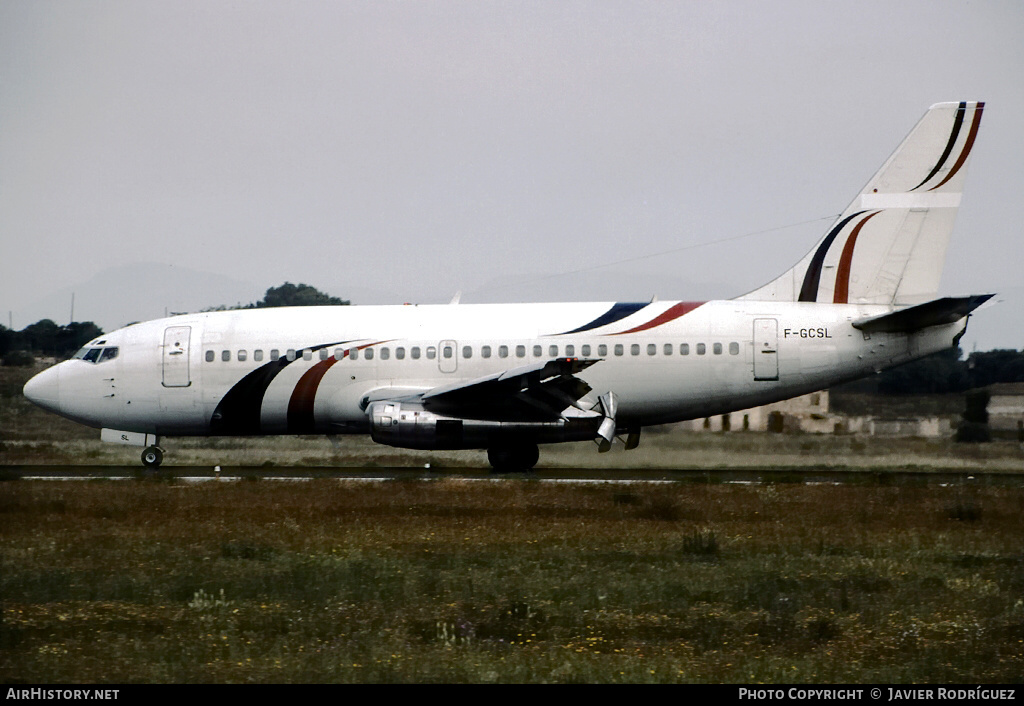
column 519, row 581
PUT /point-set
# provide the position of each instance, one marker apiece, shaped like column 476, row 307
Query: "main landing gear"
column 513, row 458
column 152, row 457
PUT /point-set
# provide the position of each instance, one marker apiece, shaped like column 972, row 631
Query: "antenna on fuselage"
column 456, row 298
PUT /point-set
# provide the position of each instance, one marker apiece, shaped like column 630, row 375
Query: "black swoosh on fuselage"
column 238, row 413
column 616, row 313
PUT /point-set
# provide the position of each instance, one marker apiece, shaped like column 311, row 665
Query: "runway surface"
column 560, row 475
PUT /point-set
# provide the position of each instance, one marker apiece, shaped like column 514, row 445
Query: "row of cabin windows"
column 447, row 351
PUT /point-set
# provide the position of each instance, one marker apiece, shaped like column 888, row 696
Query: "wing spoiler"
column 947, row 310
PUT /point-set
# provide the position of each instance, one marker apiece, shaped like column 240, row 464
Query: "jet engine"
column 407, row 424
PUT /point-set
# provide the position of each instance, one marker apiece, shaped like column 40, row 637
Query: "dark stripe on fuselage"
column 616, row 313
column 238, row 412
column 949, row 144
column 809, row 290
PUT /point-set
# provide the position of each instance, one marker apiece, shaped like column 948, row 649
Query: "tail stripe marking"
column 957, row 123
column 842, row 293
column 809, row 290
column 967, row 147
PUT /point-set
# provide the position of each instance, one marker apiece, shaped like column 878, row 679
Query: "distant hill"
column 120, row 295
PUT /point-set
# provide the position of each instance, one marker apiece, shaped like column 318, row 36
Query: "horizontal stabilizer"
column 947, row 310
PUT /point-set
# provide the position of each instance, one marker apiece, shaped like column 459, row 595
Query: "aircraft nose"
column 44, row 389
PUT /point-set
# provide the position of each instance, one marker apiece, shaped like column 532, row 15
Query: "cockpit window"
column 96, row 355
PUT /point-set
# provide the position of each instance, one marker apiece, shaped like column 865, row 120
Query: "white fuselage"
column 214, row 373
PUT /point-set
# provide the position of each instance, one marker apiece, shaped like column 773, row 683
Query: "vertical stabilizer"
column 889, row 245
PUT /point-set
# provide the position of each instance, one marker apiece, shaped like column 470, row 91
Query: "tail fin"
column 889, row 245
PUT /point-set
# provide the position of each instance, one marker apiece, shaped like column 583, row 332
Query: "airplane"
column 508, row 377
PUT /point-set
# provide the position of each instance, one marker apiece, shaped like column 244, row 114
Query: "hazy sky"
column 413, row 149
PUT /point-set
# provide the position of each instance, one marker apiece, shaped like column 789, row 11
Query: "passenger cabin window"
column 257, row 355
column 324, row 355
column 503, row 351
column 553, row 351
column 467, row 351
column 734, row 348
column 668, row 349
column 717, row 348
column 307, row 354
column 570, row 351
column 368, row 354
column 385, row 353
column 485, row 352
column 415, row 352
column 520, row 351
column 290, row 354
column 225, row 356
column 400, row 353
column 618, row 349
column 275, row 354
column 242, row 356
column 652, row 349
column 684, row 349
column 210, row 355
column 538, row 351
column 634, row 349
column 353, row 353
column 701, row 349
column 602, row 349
column 585, row 350
column 448, row 352
column 431, row 352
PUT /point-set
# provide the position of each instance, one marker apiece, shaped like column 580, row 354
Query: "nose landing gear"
column 152, row 457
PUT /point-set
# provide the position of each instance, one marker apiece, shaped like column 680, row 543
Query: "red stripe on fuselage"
column 670, row 314
column 300, row 406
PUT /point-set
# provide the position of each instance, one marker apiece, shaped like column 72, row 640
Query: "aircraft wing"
column 536, row 392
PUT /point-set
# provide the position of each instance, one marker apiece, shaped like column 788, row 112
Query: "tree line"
column 48, row 339
column 946, row 372
column 289, row 294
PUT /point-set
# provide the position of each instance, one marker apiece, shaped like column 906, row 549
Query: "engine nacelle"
column 409, row 425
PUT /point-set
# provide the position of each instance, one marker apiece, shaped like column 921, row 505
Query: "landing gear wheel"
column 515, row 458
column 152, row 457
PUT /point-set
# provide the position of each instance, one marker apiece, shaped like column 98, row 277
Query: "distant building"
column 804, row 413
column 810, row 414
column 1006, row 405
